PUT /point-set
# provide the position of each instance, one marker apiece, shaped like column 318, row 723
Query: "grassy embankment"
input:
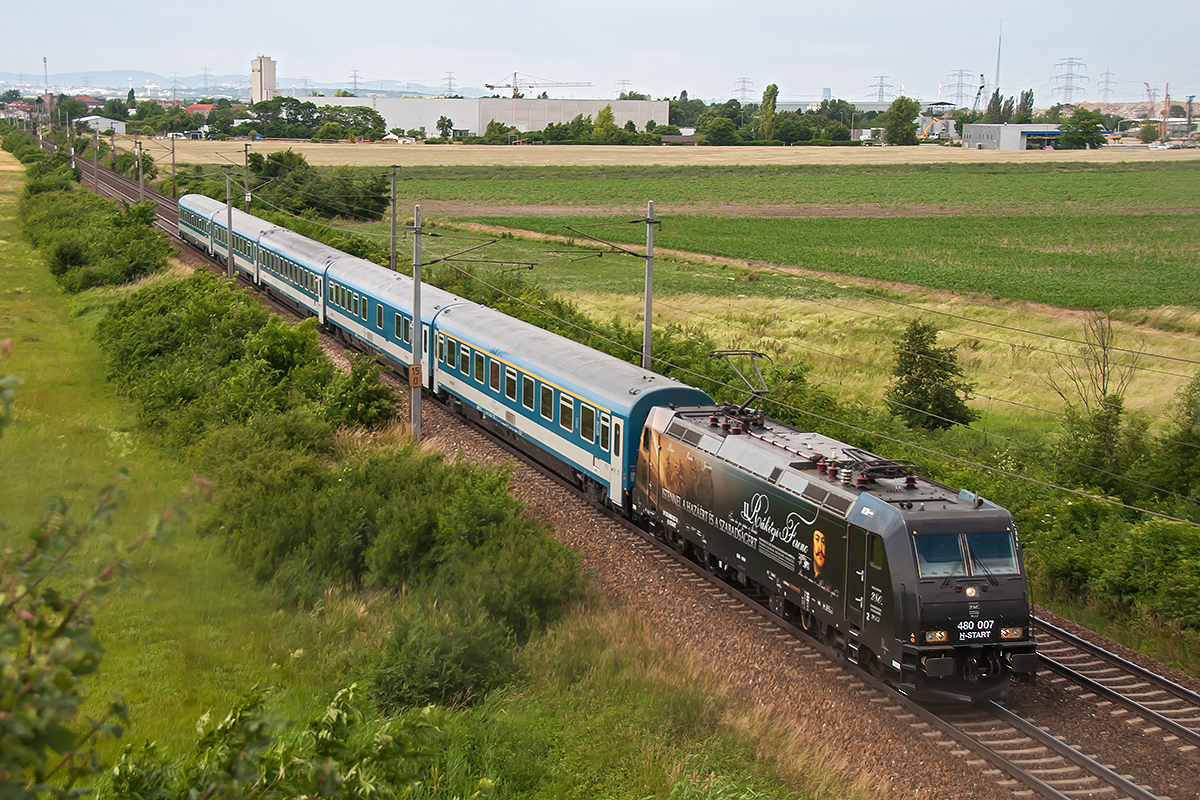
column 600, row 709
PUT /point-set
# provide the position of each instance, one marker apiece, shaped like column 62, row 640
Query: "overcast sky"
column 659, row 48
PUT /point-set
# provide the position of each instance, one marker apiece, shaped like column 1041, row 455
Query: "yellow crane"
column 536, row 83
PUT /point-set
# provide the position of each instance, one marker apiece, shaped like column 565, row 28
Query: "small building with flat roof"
column 98, row 123
column 1006, row 136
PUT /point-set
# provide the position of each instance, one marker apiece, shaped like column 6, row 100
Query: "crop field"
column 834, row 281
column 819, row 190
column 381, row 154
column 1095, row 261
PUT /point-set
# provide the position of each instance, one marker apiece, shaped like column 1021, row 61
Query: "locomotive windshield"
column 944, row 555
column 939, row 555
column 992, row 552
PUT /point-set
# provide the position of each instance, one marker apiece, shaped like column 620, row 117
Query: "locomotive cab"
column 971, row 629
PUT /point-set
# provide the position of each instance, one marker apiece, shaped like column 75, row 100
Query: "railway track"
column 1012, row 751
column 1146, row 699
column 107, row 183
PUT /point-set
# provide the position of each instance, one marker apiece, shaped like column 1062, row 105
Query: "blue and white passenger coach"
column 581, row 408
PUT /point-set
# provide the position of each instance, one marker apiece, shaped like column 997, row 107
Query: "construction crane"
column 1162, row 128
column 979, row 94
column 536, row 83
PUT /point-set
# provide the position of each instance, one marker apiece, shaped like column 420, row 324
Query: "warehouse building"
column 1031, row 136
column 472, row 115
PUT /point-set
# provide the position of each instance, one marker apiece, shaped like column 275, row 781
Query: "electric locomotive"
column 920, row 584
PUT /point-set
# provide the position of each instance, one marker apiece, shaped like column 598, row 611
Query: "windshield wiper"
column 953, row 570
column 979, row 562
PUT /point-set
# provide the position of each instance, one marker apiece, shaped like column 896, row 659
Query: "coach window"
column 452, row 353
column 510, row 384
column 379, row 317
column 355, row 307
column 547, row 402
column 479, row 366
column 604, row 432
column 494, row 376
column 527, row 392
column 566, row 412
column 464, row 360
column 587, row 423
column 441, row 348
column 617, row 439
column 364, row 307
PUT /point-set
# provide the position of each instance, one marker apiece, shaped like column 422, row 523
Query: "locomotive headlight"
column 972, row 591
column 1012, row 633
column 935, row 636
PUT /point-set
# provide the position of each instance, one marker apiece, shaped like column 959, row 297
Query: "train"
column 920, row 584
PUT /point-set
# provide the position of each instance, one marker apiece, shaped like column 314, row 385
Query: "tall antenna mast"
column 999, row 40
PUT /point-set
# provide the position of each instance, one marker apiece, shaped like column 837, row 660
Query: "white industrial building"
column 472, row 115
column 262, row 80
column 1024, row 136
column 104, row 124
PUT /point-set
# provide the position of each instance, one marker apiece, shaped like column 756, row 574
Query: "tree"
column 445, row 127
column 930, row 390
column 130, row 101
column 606, row 124
column 10, row 96
column 631, row 95
column 719, row 131
column 901, row 125
column 994, row 110
column 1148, row 133
column 1092, row 382
column 1024, row 112
column 1083, row 130
column 766, row 114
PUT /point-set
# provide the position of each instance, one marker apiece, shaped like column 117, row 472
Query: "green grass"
column 1103, row 261
column 958, row 188
column 195, row 634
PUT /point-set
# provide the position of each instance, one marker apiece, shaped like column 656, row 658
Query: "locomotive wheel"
column 679, row 543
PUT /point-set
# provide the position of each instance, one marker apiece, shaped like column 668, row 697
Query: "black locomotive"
column 912, row 580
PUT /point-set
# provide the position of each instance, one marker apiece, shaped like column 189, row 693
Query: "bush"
column 444, row 657
column 117, row 246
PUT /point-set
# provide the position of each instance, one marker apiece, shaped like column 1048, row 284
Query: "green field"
column 1094, row 261
column 958, row 188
